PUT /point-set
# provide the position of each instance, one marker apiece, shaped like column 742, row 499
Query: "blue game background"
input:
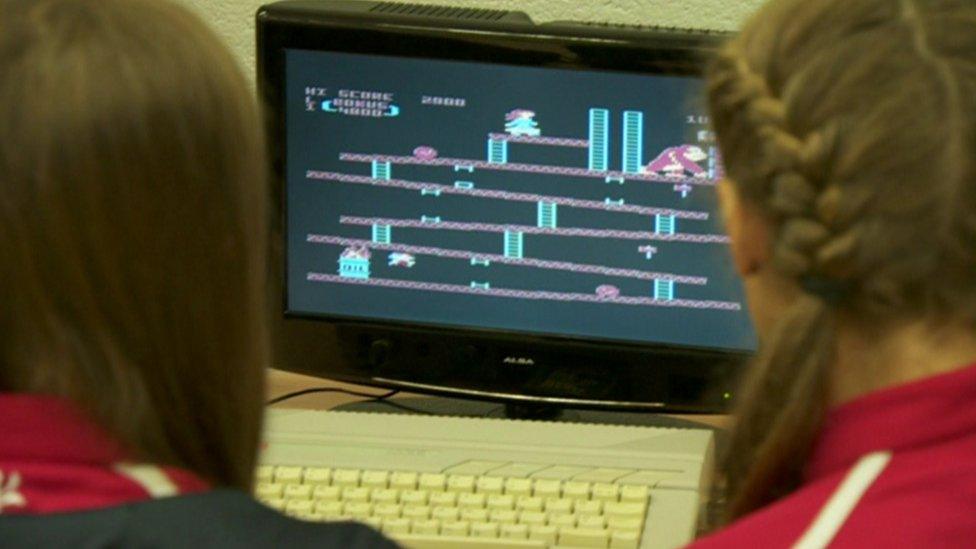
column 562, row 100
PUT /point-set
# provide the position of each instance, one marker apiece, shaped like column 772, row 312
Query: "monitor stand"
column 443, row 406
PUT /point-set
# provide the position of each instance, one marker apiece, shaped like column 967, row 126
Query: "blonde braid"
column 869, row 195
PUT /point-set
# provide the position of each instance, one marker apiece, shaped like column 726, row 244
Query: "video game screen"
column 518, row 199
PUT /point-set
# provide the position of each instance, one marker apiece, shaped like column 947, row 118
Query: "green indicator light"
column 727, row 396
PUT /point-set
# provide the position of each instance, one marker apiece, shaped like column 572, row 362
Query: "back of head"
column 851, row 127
column 133, row 228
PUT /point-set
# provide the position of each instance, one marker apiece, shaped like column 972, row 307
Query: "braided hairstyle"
column 851, row 127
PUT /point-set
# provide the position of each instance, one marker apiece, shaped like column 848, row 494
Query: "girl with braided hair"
column 849, row 133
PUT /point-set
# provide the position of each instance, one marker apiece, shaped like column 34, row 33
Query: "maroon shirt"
column 895, row 468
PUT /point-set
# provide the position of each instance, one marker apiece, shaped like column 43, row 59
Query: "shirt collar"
column 913, row 415
column 53, row 459
column 51, row 429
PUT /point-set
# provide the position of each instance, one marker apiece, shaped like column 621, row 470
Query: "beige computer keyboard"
column 447, row 482
column 458, row 509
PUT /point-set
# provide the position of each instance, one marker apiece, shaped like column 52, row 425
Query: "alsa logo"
column 519, row 361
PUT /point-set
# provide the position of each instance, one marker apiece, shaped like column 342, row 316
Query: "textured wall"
column 234, row 19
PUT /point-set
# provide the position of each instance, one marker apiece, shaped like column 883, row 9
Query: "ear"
column 747, row 229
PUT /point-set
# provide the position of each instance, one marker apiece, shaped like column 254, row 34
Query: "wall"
column 234, row 19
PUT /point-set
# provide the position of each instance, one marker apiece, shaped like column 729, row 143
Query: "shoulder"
column 918, row 499
column 217, row 519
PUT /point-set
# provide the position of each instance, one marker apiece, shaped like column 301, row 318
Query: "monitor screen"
column 499, row 198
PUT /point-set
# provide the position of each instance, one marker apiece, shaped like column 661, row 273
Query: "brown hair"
column 133, row 228
column 851, row 126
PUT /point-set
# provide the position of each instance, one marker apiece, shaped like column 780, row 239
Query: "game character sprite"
column 402, row 259
column 522, row 122
column 679, row 161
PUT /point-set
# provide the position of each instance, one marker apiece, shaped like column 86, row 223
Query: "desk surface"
column 280, row 382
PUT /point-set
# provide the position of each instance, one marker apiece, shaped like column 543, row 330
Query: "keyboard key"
column 476, row 501
column 474, row 515
column 560, row 505
column 285, row 474
column 503, row 516
column 577, row 489
column 402, row 480
column 547, row 488
column 514, row 531
column 317, row 476
column 332, row 508
column 388, row 510
column 432, row 482
column 592, row 507
column 443, row 499
column 326, row 493
column 490, row 485
column 603, row 474
column 518, row 487
column 460, row 483
column 446, row 514
column 501, row 502
column 624, row 510
column 484, row 530
column 532, row 518
column 562, row 521
column 416, row 512
column 529, row 503
column 345, row 478
column 375, row 479
column 384, row 495
column 545, row 534
column 414, row 497
column 358, row 509
column 615, row 523
column 396, row 526
column 429, row 527
column 297, row 491
column 299, row 506
column 604, row 491
column 634, row 494
column 475, row 467
column 265, row 490
column 625, row 540
column 591, row 522
column 581, row 537
column 355, row 494
column 455, row 528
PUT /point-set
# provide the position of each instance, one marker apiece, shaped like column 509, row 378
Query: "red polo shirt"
column 895, row 468
column 53, row 459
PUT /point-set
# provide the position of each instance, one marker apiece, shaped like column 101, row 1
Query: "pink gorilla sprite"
column 425, row 153
column 679, row 162
column 606, row 291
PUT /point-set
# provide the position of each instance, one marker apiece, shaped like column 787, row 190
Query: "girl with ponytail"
column 849, row 134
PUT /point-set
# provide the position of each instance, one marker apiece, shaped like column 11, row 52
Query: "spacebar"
column 417, row 541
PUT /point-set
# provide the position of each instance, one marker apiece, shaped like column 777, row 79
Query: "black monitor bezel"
column 347, row 343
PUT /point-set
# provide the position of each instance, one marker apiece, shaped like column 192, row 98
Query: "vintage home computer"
column 477, row 206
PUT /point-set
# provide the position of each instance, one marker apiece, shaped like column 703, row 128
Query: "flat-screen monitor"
column 474, row 205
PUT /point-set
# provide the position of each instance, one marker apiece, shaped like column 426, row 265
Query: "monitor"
column 471, row 204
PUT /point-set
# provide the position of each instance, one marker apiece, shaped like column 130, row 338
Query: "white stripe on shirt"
column 151, row 478
column 840, row 505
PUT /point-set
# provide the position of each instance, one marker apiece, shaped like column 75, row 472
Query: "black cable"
column 287, row 396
